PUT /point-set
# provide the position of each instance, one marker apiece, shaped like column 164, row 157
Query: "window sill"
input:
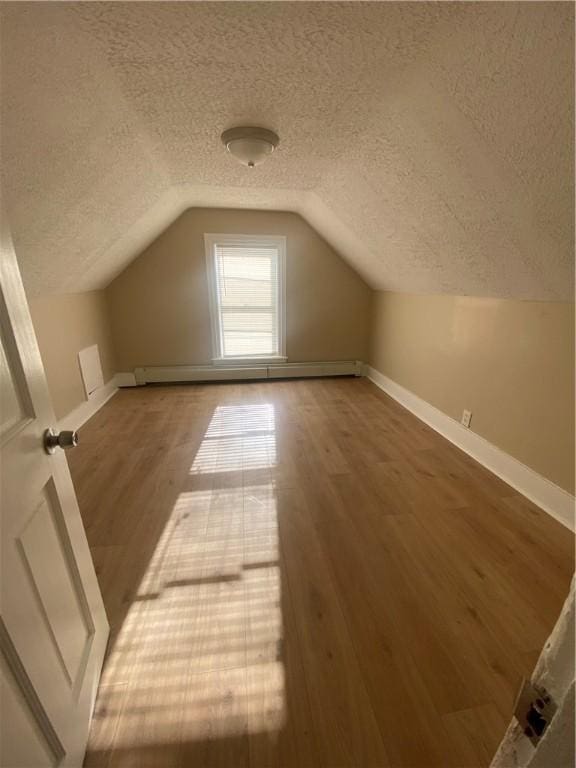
column 243, row 361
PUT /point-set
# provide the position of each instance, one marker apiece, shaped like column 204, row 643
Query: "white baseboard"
column 550, row 497
column 88, row 408
column 125, row 380
column 175, row 373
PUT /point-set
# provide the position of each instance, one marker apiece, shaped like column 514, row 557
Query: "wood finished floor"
column 303, row 574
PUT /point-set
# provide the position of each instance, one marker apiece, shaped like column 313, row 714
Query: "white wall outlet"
column 466, row 418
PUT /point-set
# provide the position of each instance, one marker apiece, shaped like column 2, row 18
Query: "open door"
column 53, row 627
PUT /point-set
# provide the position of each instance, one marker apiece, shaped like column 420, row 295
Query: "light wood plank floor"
column 303, row 574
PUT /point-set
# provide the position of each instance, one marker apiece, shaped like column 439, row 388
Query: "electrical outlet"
column 466, row 418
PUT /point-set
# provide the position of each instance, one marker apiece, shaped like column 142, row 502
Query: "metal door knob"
column 66, row 439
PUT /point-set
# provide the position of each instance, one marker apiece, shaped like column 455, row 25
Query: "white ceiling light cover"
column 250, row 145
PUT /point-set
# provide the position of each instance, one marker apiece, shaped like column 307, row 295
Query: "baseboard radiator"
column 176, row 373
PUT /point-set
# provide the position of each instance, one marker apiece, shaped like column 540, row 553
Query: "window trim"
column 279, row 242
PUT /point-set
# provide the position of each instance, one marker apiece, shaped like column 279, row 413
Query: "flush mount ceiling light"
column 250, row 145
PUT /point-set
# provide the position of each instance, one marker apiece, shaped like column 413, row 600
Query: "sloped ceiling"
column 430, row 143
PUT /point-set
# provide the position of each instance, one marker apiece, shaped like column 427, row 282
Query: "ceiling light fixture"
column 250, row 145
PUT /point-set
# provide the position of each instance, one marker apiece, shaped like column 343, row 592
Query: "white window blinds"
column 247, row 298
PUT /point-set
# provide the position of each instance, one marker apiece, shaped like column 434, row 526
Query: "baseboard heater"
column 175, row 373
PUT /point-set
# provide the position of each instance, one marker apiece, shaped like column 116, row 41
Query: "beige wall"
column 159, row 304
column 64, row 325
column 510, row 362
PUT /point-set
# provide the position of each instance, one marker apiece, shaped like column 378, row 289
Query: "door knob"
column 66, row 439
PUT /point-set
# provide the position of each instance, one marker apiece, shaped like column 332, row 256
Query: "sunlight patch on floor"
column 198, row 656
column 238, row 437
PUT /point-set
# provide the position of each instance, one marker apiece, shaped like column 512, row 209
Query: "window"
column 246, row 277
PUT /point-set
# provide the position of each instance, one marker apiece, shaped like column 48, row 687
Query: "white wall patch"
column 91, row 369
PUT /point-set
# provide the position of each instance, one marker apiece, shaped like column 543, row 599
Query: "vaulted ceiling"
column 430, row 143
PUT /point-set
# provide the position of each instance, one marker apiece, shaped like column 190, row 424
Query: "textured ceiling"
column 430, row 143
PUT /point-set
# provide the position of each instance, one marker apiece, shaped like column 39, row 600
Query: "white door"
column 53, row 627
